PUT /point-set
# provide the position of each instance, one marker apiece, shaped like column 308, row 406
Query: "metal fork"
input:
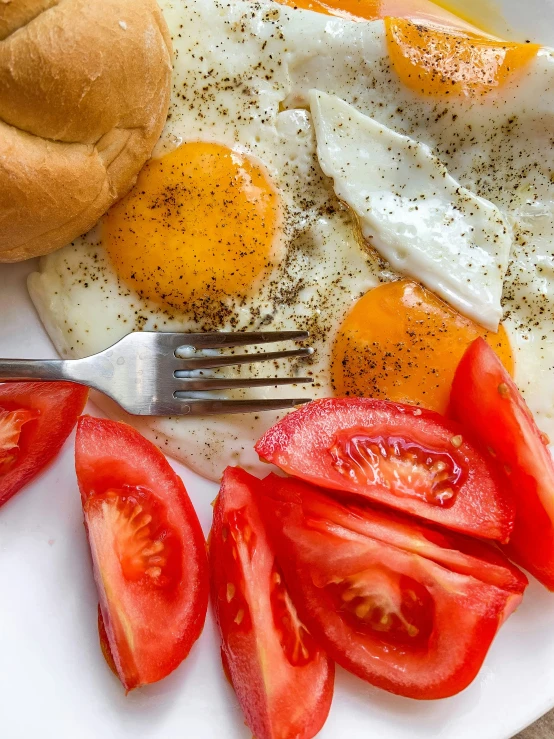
column 149, row 373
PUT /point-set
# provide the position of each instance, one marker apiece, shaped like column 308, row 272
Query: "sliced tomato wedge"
column 35, row 420
column 148, row 551
column 404, row 606
column 403, row 456
column 283, row 680
column 487, row 402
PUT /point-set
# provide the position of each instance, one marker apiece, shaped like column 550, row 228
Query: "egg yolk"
column 436, row 62
column 370, row 10
column 199, row 225
column 401, row 343
column 432, row 50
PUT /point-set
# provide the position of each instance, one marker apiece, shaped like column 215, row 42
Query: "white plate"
column 54, row 682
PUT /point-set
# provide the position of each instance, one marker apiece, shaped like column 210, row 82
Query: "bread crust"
column 84, row 94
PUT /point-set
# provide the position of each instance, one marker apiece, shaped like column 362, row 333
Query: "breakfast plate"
column 53, row 678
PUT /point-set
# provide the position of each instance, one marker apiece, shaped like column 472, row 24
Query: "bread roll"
column 84, row 94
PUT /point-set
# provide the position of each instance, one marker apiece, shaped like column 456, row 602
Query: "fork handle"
column 45, row 370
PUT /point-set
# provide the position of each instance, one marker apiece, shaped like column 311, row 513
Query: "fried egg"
column 248, row 216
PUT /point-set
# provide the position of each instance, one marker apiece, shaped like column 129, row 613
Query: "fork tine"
column 215, row 383
column 227, row 338
column 201, row 407
column 193, row 363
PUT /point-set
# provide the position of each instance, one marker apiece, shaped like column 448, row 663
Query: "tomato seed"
column 456, row 441
column 239, row 617
column 348, row 595
column 154, row 548
column 231, row 590
column 362, row 610
column 445, row 495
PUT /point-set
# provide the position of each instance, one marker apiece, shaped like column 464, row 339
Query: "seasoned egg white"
column 243, row 76
column 417, row 216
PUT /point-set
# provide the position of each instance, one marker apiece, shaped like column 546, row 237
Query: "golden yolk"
column 432, row 50
column 402, row 343
column 436, row 62
column 199, row 225
column 370, row 10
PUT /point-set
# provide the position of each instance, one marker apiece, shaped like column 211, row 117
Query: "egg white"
column 413, row 211
column 242, row 78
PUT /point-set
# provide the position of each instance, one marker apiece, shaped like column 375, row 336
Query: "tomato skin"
column 304, row 444
column 487, row 402
column 122, row 476
column 58, row 404
column 283, row 694
column 105, row 644
column 329, row 551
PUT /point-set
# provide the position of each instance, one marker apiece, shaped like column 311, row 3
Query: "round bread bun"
column 84, row 94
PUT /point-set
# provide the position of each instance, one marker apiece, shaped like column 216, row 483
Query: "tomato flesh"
column 457, row 552
column 407, row 608
column 35, row 420
column 148, row 551
column 413, row 470
column 282, row 679
column 11, row 425
column 403, row 456
column 487, row 402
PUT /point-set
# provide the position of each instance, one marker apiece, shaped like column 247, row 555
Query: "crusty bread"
column 84, row 93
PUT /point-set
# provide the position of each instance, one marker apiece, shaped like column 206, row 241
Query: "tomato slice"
column 35, row 420
column 403, row 456
column 148, row 550
column 487, row 402
column 283, row 680
column 407, row 608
